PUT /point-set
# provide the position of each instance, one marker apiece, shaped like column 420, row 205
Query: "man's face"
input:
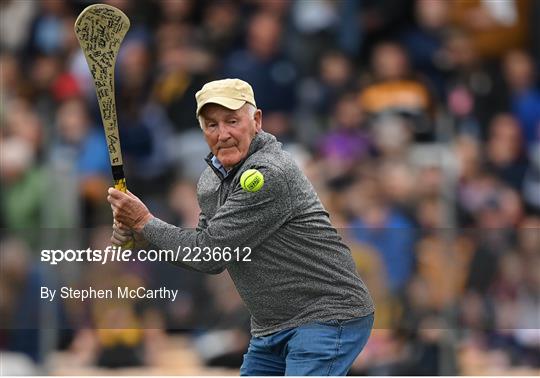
column 229, row 132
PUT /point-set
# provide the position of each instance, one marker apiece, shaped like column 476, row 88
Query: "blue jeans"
column 327, row 348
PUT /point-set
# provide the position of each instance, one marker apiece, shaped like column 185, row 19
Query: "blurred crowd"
column 417, row 121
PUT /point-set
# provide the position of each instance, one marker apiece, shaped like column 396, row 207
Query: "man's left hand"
column 128, row 209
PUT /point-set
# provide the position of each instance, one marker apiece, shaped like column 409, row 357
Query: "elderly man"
column 311, row 313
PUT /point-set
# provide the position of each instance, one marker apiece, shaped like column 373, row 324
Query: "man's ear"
column 258, row 120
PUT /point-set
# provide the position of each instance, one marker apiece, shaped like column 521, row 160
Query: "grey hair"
column 250, row 108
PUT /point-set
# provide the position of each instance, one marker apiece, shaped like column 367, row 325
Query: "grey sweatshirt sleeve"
column 245, row 220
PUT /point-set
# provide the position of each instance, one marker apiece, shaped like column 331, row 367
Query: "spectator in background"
column 394, row 89
column 346, row 143
column 75, row 129
column 505, row 155
column 318, row 95
column 425, row 41
column 42, row 76
column 498, row 211
column 397, row 184
column 10, row 76
column 15, row 19
column 20, row 120
column 220, row 29
column 78, row 152
column 379, row 225
column 473, row 91
column 271, row 74
column 23, row 186
column 467, row 151
column 521, row 78
column 47, row 33
column 442, row 267
column 392, row 135
column 335, row 76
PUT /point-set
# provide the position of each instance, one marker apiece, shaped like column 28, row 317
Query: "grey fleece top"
column 300, row 270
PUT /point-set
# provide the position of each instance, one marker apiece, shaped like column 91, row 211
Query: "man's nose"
column 223, row 132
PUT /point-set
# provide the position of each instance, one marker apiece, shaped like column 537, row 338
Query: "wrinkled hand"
column 123, row 235
column 128, row 210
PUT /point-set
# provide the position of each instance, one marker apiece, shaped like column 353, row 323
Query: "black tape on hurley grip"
column 117, row 172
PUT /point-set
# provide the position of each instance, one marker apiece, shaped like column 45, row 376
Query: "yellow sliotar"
column 252, row 180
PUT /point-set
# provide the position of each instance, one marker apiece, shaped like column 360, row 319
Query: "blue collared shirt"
column 216, row 163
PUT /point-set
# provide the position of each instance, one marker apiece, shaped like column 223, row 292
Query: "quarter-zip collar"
column 257, row 143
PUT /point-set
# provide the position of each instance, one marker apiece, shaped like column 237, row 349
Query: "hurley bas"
column 121, row 292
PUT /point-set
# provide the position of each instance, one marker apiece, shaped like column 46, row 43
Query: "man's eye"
column 211, row 125
column 232, row 121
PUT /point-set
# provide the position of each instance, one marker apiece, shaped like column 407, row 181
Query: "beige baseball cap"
column 230, row 93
